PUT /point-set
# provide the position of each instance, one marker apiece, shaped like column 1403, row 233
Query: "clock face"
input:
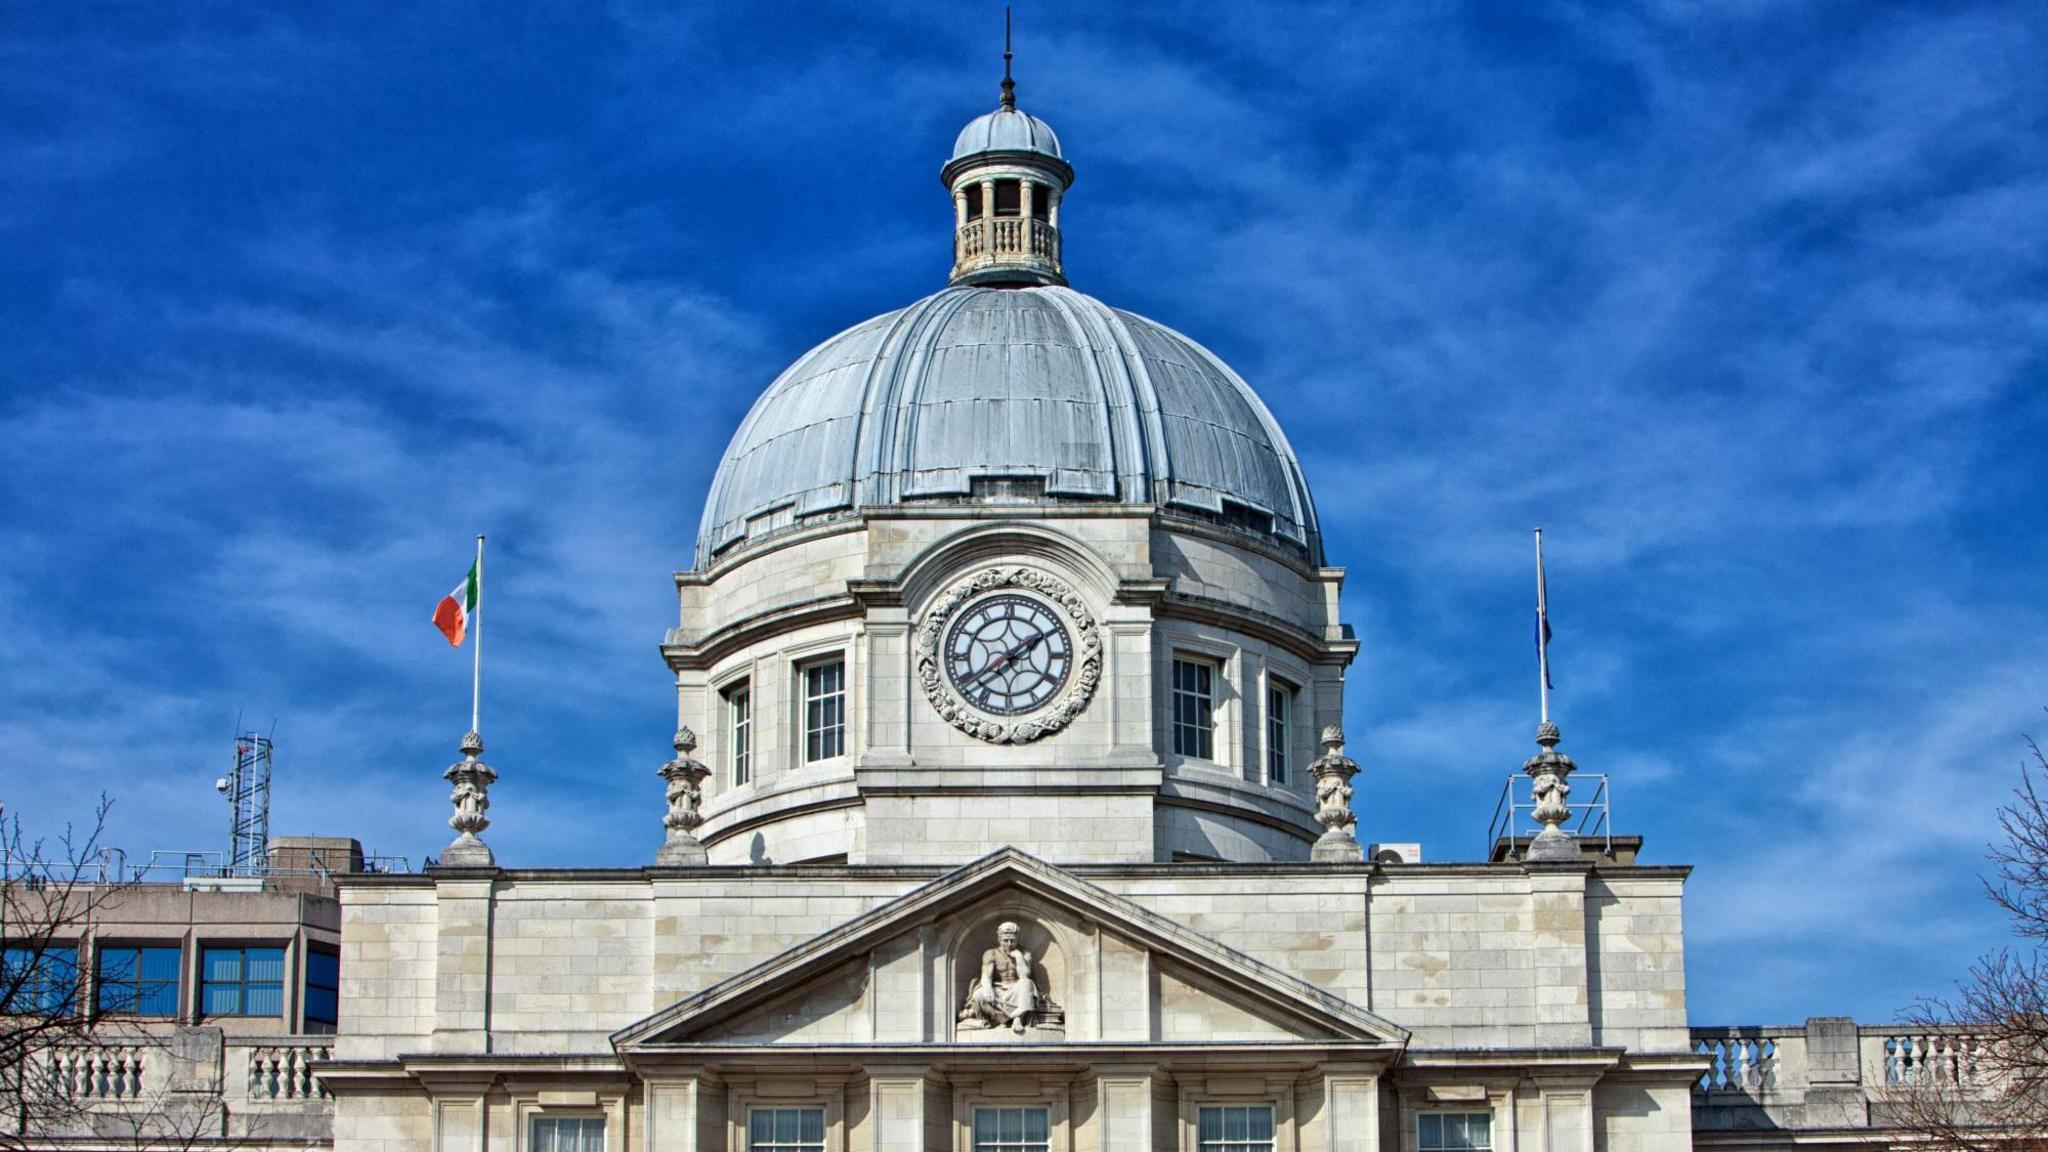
column 1008, row 654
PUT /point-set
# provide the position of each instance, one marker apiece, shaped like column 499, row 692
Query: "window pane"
column 223, row 964
column 157, row 998
column 785, row 1125
column 1236, row 1125
column 222, row 1000
column 263, row 1000
column 120, row 965
column 543, row 1135
column 265, row 964
column 760, row 1126
column 323, row 970
column 811, row 1124
column 1455, row 1132
column 160, row 964
column 1262, row 1123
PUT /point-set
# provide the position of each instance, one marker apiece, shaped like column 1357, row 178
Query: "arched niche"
column 1056, row 947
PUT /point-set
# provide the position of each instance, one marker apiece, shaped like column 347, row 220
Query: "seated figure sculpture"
column 1003, row 994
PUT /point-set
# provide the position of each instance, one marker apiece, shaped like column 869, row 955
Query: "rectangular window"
column 1012, row 1130
column 1454, row 1132
column 1279, row 717
column 974, row 201
column 39, row 980
column 241, row 982
column 824, row 710
column 1041, row 202
column 1235, row 1129
column 568, row 1134
column 137, row 981
column 786, row 1130
column 1194, row 709
column 739, row 733
column 323, row 988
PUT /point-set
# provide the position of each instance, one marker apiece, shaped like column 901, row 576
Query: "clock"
column 1008, row 654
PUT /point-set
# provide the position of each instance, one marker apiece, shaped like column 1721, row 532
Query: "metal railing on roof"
column 170, row 866
column 1591, row 819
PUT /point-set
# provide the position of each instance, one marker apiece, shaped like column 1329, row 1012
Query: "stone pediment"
column 941, row 964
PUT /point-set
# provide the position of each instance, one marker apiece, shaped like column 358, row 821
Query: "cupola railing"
column 994, row 241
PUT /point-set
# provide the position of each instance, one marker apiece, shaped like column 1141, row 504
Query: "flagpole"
column 1542, row 641
column 476, row 675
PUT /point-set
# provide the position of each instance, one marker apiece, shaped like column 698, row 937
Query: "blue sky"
column 1746, row 303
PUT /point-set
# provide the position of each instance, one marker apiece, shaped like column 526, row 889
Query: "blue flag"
column 1543, row 648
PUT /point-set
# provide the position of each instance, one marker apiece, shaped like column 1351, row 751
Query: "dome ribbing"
column 1001, row 395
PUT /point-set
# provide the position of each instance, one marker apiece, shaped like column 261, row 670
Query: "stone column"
column 472, row 779
column 685, row 776
column 1333, row 772
column 988, row 219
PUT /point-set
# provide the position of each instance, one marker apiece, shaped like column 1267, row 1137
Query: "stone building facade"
column 1010, row 811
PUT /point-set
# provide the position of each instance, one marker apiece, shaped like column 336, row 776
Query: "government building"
column 1010, row 812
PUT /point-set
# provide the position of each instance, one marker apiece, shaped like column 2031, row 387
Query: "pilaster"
column 1351, row 1104
column 1557, row 900
column 462, row 968
column 898, row 1102
column 1124, row 1107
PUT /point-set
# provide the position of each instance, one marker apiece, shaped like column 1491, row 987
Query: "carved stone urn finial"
column 471, row 796
column 1333, row 772
column 1548, row 771
column 685, row 776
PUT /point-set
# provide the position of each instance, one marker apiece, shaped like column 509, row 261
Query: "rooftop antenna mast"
column 1009, row 85
column 247, row 791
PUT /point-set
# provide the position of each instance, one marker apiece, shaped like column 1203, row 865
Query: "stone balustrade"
column 278, row 1069
column 988, row 241
column 256, row 1093
column 101, row 1072
column 1829, row 1073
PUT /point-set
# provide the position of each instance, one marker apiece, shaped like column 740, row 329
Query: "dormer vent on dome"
column 1007, row 179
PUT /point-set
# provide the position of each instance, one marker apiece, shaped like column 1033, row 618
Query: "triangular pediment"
column 1112, row 970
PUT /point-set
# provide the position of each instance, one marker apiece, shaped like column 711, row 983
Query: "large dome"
column 1005, row 395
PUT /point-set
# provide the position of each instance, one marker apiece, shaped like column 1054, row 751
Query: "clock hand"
column 1002, row 661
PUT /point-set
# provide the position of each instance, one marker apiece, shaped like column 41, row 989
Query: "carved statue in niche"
column 1002, row 993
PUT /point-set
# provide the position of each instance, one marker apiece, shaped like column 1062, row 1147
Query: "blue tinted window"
column 241, row 982
column 323, row 988
column 138, row 981
column 39, row 980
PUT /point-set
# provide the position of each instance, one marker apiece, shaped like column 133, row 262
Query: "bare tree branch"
column 1975, row 1079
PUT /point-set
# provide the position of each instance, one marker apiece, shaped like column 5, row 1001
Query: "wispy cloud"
column 1746, row 303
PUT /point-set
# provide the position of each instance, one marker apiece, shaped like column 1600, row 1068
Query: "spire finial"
column 1009, row 85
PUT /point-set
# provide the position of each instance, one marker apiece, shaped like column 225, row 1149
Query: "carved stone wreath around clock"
column 1054, row 713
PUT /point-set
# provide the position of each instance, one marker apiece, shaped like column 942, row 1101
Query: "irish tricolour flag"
column 452, row 614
